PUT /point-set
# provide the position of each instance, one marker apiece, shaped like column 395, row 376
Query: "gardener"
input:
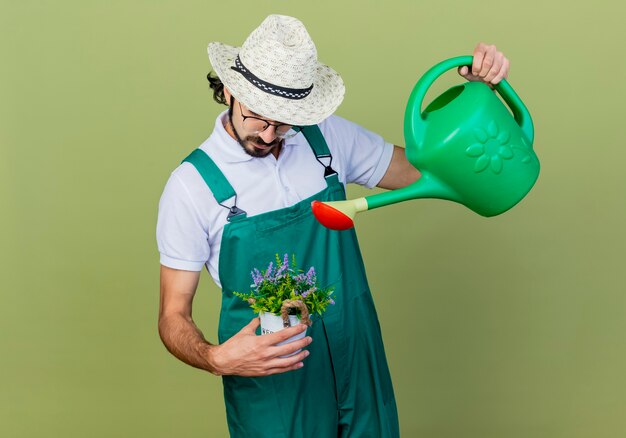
column 243, row 196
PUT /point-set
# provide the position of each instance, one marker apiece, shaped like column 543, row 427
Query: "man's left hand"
column 489, row 66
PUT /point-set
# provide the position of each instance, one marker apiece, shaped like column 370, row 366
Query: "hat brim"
column 325, row 97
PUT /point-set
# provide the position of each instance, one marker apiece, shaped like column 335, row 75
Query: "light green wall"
column 505, row 327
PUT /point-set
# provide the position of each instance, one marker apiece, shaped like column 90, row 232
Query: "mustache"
column 260, row 141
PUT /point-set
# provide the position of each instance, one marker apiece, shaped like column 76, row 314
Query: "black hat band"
column 276, row 90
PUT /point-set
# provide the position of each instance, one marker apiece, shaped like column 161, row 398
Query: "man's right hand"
column 247, row 354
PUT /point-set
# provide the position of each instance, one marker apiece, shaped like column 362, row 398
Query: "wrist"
column 211, row 355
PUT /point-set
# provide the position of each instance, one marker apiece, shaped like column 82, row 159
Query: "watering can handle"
column 520, row 112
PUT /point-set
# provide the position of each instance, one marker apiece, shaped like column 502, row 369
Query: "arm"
column 176, row 327
column 244, row 354
column 400, row 172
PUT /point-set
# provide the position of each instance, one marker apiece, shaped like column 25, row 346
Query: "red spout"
column 331, row 217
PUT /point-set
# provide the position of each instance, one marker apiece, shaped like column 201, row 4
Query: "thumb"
column 463, row 70
column 252, row 326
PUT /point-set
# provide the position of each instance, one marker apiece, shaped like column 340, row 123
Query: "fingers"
column 284, row 350
column 282, row 365
column 489, row 64
column 284, row 334
column 488, row 61
column 283, row 370
column 479, row 55
column 274, row 365
column 503, row 73
column 495, row 68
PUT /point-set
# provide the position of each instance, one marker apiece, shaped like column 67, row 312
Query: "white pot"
column 271, row 323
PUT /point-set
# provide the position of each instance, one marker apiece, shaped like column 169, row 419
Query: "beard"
column 247, row 144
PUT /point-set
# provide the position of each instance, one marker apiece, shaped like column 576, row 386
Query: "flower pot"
column 271, row 323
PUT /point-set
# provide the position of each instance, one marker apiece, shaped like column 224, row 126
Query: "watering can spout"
column 427, row 186
column 339, row 215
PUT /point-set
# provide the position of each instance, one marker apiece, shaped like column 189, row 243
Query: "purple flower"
column 268, row 273
column 280, row 271
column 331, row 301
column 284, row 266
column 310, row 276
column 306, row 294
column 256, row 277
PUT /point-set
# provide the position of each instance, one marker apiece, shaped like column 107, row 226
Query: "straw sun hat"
column 276, row 73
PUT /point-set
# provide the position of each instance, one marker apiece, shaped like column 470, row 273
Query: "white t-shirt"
column 190, row 221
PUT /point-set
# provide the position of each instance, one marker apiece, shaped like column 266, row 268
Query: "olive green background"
column 512, row 326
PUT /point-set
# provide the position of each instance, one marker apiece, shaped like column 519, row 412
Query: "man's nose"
column 269, row 135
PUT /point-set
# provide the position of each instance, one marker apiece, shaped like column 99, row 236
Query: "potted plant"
column 284, row 296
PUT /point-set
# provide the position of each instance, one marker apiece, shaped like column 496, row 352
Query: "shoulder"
column 186, row 182
column 362, row 154
column 185, row 185
column 344, row 132
column 338, row 126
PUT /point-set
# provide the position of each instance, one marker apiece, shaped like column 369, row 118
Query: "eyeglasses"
column 256, row 125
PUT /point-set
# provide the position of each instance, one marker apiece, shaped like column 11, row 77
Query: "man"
column 243, row 196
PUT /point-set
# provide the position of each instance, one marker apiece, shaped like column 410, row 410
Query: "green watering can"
column 467, row 145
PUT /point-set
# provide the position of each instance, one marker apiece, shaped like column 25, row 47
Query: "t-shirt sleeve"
column 182, row 238
column 364, row 155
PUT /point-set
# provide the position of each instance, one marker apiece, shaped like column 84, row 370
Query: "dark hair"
column 218, row 88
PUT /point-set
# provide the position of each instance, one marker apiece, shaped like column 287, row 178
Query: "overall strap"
column 316, row 140
column 215, row 179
